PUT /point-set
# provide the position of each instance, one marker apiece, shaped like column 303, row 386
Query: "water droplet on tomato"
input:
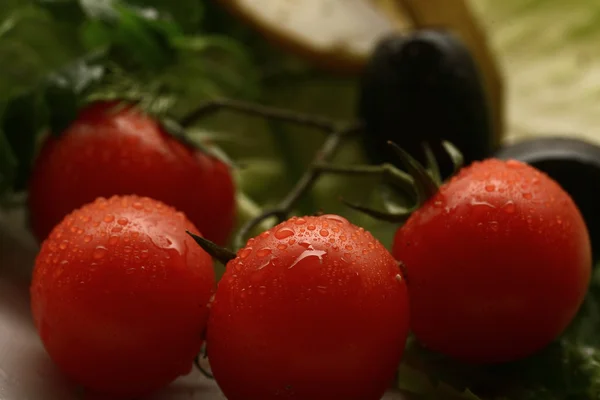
column 87, row 238
column 494, row 225
column 476, row 202
column 265, row 234
column 116, row 229
column 324, row 232
column 306, row 245
column 130, row 271
column 262, row 290
column 284, row 233
column 311, row 227
column 243, row 293
column 300, row 221
column 348, row 247
column 490, row 187
column 559, row 220
column 322, row 289
column 514, row 164
column 109, row 218
column 365, row 251
column 263, row 252
column 63, row 245
column 245, row 252
column 122, row 221
column 527, row 195
column 309, row 253
column 127, row 249
column 509, row 207
column 335, row 218
column 291, row 241
column 137, row 205
column 282, row 246
column 144, row 254
column 99, row 252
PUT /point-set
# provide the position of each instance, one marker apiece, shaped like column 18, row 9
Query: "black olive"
column 574, row 164
column 424, row 86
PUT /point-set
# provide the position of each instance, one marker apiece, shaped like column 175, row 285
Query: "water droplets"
column 514, row 164
column 494, row 226
column 137, row 205
column 63, row 245
column 509, row 207
column 284, row 233
column 476, row 202
column 245, row 252
column 527, row 195
column 99, row 252
column 122, row 221
column 490, row 187
column 300, row 221
column 322, row 289
column 108, row 218
column 311, row 227
column 87, row 238
column 335, row 218
column 309, row 253
column 324, row 232
column 264, row 252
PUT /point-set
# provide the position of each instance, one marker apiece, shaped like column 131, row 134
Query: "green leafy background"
column 195, row 51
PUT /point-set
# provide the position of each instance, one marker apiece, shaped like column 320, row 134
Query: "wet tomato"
column 119, row 295
column 113, row 149
column 497, row 262
column 314, row 308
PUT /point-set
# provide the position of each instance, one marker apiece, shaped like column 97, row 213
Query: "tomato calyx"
column 219, row 253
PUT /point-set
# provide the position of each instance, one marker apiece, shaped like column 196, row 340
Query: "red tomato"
column 498, row 263
column 314, row 308
column 120, row 151
column 120, row 293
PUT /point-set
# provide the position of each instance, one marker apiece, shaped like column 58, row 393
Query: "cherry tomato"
column 315, row 308
column 498, row 263
column 119, row 295
column 113, row 150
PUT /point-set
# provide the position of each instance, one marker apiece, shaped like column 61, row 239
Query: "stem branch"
column 213, row 106
column 282, row 210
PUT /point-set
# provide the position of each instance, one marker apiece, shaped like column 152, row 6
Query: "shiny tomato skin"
column 314, row 308
column 119, row 295
column 113, row 149
column 498, row 263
